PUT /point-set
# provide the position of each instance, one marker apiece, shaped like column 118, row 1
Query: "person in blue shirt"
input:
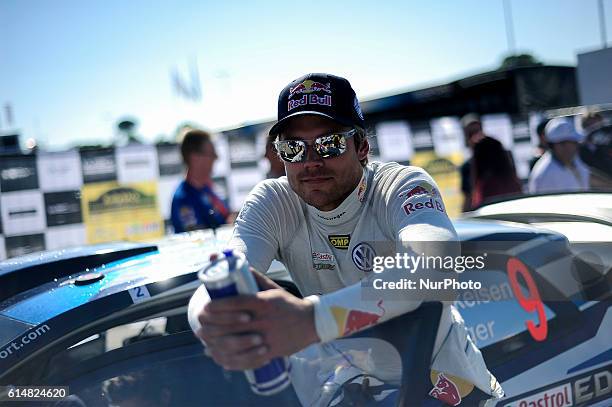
column 194, row 204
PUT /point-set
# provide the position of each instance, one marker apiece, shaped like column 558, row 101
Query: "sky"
column 71, row 69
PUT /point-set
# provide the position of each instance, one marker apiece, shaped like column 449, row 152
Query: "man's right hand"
column 246, row 331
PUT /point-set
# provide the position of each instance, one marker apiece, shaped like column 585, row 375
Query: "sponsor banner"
column 445, row 172
column 121, row 212
column 534, row 120
column 25, row 244
column 99, row 165
column 521, row 132
column 63, row 208
column 22, row 212
column 60, row 237
column 165, row 191
column 18, row 173
column 220, row 188
column 242, row 151
column 447, row 136
column 522, row 154
column 240, row 183
column 221, row 166
column 59, row 171
column 136, row 163
column 499, row 126
column 421, row 136
column 169, row 160
column 584, row 389
column 395, row 141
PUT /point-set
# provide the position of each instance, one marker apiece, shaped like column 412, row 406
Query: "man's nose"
column 312, row 157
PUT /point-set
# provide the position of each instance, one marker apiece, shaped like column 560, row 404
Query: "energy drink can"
column 228, row 276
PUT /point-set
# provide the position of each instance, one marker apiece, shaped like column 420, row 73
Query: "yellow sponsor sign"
column 121, row 212
column 446, row 174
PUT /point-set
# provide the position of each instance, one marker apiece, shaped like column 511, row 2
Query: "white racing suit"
column 327, row 255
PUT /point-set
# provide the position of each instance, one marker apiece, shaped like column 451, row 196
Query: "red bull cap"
column 321, row 94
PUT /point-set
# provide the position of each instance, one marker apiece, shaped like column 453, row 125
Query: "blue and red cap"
column 320, row 94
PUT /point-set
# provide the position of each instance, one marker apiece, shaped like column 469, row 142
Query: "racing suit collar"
column 347, row 209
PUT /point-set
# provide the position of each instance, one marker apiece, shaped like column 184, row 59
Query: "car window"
column 153, row 361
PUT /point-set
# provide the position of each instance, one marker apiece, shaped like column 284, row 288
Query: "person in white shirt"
column 560, row 169
column 319, row 221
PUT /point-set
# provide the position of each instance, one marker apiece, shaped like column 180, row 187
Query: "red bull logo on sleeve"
column 349, row 321
column 423, row 188
column 449, row 389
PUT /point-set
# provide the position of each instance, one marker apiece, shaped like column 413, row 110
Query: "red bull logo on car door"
column 304, row 94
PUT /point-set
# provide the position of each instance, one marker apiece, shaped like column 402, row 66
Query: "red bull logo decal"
column 309, row 86
column 349, row 321
column 449, row 389
column 422, row 189
column 309, row 100
column 411, row 207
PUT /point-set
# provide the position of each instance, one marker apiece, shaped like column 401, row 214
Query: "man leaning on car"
column 331, row 190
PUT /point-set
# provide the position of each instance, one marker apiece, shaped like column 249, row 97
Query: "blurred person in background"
column 195, row 205
column 472, row 131
column 493, row 174
column 277, row 168
column 560, row 168
column 596, row 153
column 542, row 144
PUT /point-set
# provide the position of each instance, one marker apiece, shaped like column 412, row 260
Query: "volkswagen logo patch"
column 363, row 256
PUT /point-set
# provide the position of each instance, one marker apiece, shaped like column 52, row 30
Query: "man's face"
column 201, row 162
column 323, row 183
column 565, row 151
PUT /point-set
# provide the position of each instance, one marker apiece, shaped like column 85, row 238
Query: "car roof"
column 586, row 206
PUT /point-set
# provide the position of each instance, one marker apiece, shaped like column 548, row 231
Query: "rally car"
column 115, row 332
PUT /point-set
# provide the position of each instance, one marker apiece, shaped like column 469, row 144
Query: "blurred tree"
column 127, row 131
column 516, row 61
column 183, row 128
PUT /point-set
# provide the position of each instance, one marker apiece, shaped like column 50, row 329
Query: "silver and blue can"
column 228, row 276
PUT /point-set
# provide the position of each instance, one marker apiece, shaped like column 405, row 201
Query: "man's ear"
column 364, row 149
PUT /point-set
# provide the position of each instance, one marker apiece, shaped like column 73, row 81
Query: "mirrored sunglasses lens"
column 331, row 146
column 292, row 150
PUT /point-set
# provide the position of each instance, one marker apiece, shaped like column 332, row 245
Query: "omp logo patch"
column 340, row 241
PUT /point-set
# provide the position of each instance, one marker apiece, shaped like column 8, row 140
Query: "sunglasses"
column 328, row 146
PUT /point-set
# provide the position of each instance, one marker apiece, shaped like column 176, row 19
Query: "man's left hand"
column 246, row 331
